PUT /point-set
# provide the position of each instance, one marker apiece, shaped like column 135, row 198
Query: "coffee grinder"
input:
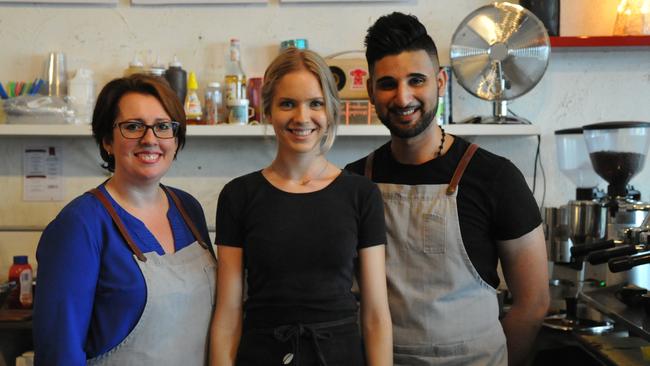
column 582, row 220
column 617, row 151
column 570, row 228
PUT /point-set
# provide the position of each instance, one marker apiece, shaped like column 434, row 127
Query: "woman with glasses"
column 126, row 271
column 297, row 228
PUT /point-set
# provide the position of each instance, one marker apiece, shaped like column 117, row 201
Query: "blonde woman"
column 296, row 228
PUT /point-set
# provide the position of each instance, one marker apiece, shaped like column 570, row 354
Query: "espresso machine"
column 617, row 151
column 579, row 223
column 597, row 227
column 592, row 240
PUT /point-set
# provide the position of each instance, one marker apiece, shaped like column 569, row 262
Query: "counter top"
column 633, row 318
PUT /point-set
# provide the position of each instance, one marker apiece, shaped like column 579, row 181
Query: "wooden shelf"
column 583, row 42
column 32, row 130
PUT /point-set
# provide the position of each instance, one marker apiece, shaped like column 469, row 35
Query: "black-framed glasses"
column 134, row 129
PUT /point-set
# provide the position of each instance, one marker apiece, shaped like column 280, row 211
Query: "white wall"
column 578, row 88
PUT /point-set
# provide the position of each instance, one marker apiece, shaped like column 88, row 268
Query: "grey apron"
column 443, row 312
column 174, row 326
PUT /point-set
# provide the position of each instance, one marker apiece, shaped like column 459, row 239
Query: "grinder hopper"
column 617, row 151
column 573, row 161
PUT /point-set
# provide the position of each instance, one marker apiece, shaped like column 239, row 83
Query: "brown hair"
column 294, row 59
column 107, row 109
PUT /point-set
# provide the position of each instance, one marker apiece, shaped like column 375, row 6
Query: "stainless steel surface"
column 587, row 221
column 630, row 216
column 499, row 52
column 561, row 322
column 550, row 222
column 634, row 318
column 561, row 242
column 576, row 223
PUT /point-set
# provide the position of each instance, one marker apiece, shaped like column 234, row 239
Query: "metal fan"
column 498, row 53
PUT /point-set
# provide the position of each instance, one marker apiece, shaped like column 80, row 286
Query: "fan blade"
column 470, row 68
column 485, row 29
column 517, row 76
column 505, row 33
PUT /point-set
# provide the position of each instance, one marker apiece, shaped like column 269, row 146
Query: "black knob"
column 602, row 256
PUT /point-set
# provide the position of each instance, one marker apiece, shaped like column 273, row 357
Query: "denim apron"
column 174, row 326
column 443, row 312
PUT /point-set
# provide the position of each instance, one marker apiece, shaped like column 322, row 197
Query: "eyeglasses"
column 137, row 129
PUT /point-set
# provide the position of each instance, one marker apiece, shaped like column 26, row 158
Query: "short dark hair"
column 395, row 33
column 107, row 109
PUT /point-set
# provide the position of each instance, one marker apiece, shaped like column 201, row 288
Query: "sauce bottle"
column 156, row 69
column 21, row 273
column 135, row 67
column 177, row 78
column 193, row 110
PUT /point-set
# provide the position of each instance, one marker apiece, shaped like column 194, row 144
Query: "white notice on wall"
column 42, row 168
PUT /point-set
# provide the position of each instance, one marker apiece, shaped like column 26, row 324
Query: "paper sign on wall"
column 42, row 169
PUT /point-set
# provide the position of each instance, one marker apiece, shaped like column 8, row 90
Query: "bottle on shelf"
column 135, row 67
column 177, row 78
column 193, row 110
column 213, row 104
column 254, row 95
column 81, row 95
column 156, row 69
column 20, row 272
column 235, row 80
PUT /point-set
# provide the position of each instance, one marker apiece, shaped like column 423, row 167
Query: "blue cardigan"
column 90, row 292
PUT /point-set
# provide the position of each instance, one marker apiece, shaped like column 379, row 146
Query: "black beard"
column 422, row 124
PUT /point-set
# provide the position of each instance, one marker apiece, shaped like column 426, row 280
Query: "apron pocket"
column 437, row 350
column 433, row 233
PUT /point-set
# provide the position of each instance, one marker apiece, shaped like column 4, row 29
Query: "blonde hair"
column 293, row 59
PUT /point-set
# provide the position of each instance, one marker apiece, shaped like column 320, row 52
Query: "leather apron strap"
column 460, row 169
column 118, row 222
column 185, row 216
column 455, row 179
column 125, row 234
column 368, row 169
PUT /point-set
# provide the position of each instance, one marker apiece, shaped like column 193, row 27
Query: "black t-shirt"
column 299, row 248
column 494, row 201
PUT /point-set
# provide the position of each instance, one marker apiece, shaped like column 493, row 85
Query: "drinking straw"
column 19, row 88
column 3, row 93
column 37, row 86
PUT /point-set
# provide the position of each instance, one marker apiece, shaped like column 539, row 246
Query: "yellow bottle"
column 193, row 110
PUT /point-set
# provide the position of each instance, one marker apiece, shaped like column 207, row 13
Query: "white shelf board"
column 62, row 130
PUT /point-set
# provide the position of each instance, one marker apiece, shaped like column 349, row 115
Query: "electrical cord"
column 537, row 161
